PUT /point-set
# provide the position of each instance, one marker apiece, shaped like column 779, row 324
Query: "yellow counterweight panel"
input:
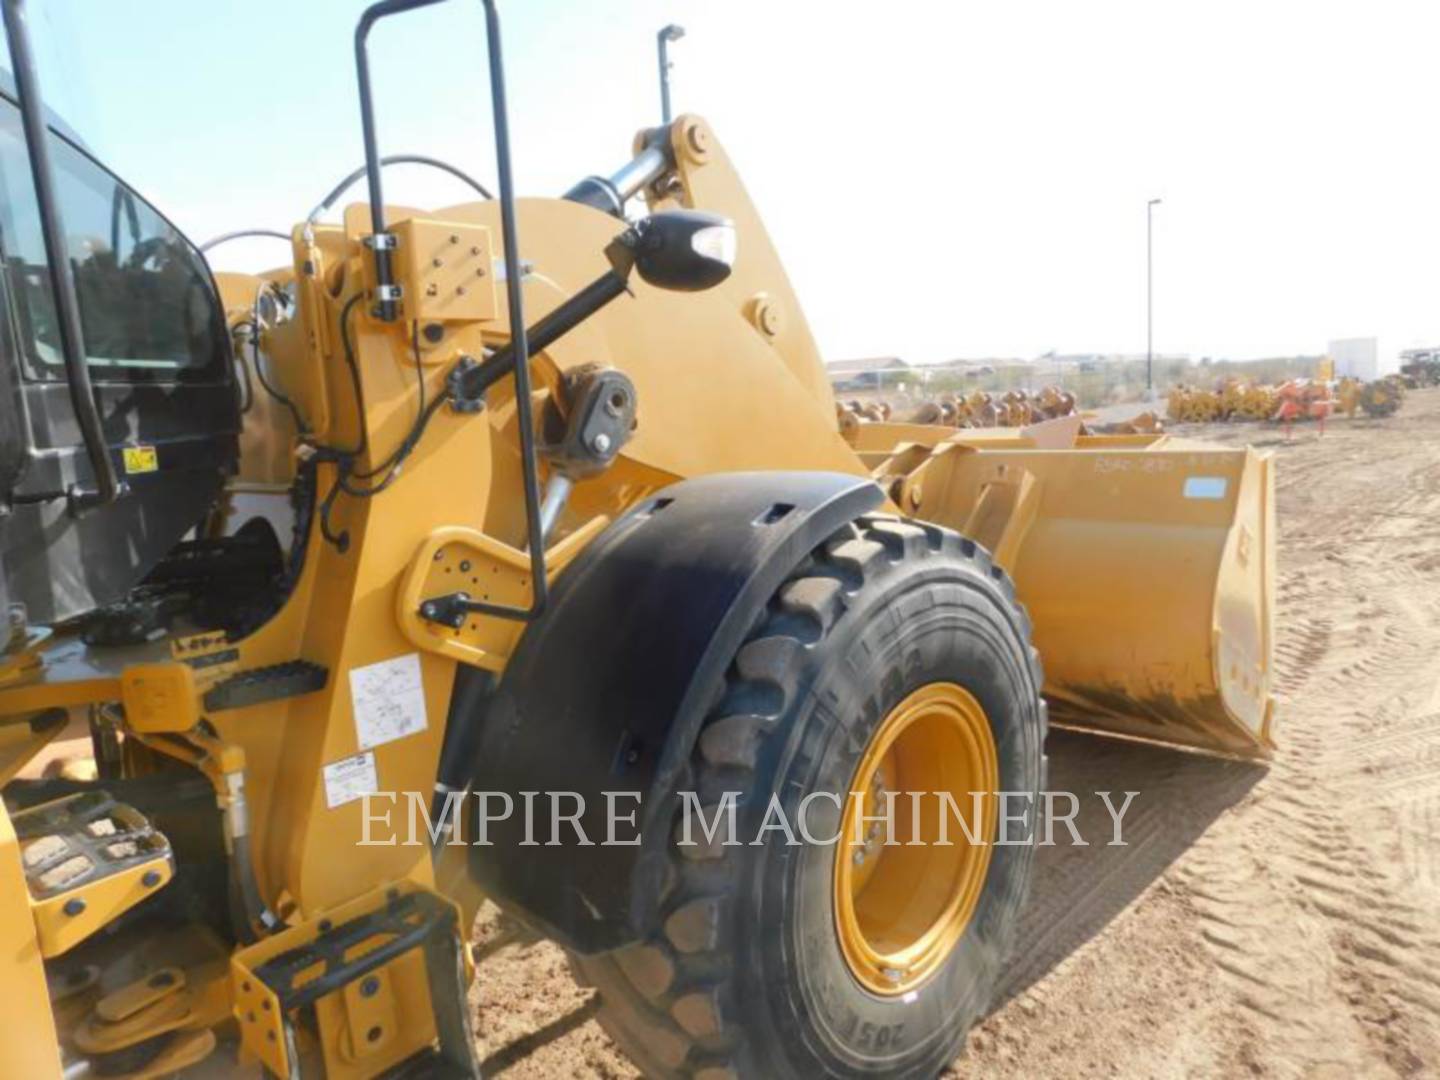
column 1148, row 571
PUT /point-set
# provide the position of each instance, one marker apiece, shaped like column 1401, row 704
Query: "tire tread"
column 647, row 1014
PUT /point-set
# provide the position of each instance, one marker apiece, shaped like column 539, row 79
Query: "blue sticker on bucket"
column 1205, row 487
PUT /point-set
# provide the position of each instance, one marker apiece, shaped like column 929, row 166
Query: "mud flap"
column 605, row 695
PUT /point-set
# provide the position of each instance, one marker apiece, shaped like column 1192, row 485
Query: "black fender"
column 607, row 691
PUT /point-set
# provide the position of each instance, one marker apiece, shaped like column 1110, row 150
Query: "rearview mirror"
column 684, row 250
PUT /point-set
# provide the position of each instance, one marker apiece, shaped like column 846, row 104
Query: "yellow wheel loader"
column 1382, row 397
column 526, row 502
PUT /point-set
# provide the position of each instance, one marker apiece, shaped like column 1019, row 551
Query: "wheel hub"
column 901, row 907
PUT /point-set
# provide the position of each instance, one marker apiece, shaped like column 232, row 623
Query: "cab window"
column 148, row 307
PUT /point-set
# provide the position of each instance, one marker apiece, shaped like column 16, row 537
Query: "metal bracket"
column 457, row 383
column 450, row 610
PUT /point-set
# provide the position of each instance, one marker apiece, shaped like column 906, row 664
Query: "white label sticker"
column 1205, row 487
column 349, row 779
column 389, row 700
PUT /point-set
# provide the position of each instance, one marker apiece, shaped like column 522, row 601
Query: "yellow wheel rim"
column 901, row 908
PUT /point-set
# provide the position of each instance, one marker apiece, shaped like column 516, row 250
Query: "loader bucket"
column 1146, row 564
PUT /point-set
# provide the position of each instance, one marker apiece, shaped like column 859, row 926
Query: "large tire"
column 742, row 975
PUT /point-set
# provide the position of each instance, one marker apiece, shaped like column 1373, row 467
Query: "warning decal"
column 389, row 700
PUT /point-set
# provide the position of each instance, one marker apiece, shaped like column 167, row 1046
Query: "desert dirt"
column 1280, row 921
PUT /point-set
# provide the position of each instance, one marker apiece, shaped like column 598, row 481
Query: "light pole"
column 1150, row 298
column 664, row 37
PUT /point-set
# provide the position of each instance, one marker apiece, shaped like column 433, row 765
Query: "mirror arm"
column 469, row 384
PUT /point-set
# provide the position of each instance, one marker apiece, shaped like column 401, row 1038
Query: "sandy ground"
column 1281, row 922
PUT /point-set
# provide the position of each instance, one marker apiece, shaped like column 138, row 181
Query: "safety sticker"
column 349, row 779
column 1205, row 487
column 140, row 459
column 389, row 700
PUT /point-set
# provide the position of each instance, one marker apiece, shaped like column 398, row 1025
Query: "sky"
column 943, row 179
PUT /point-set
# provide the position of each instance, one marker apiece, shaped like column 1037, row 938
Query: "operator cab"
column 160, row 364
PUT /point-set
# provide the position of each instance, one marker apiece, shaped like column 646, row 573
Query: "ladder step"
column 397, row 928
column 279, row 977
column 79, row 839
column 259, row 685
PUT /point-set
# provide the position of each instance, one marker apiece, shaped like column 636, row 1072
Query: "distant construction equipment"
column 1014, row 408
column 1295, row 399
column 1420, row 368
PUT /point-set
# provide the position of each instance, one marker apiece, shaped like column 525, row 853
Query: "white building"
column 1358, row 358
